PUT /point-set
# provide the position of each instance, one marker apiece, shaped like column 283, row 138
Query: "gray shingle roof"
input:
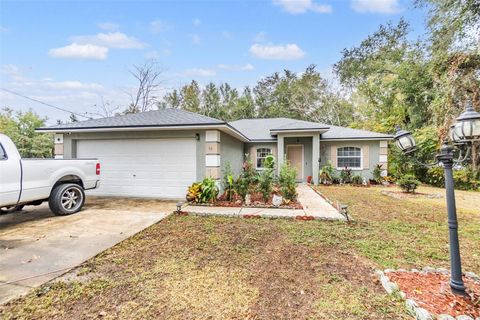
column 337, row 132
column 260, row 129
column 166, row 117
column 253, row 129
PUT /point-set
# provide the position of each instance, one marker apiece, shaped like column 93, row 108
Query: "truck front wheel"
column 66, row 199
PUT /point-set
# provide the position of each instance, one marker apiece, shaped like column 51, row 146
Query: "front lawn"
column 222, row 268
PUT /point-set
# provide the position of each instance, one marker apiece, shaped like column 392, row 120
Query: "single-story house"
column 159, row 153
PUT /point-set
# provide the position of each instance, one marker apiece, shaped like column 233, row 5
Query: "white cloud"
column 158, row 26
column 260, row 37
column 302, row 6
column 108, row 26
column 3, row 29
column 277, row 52
column 376, row 6
column 12, row 71
column 245, row 67
column 199, row 72
column 117, row 40
column 80, row 51
column 195, row 39
column 196, row 22
column 73, row 85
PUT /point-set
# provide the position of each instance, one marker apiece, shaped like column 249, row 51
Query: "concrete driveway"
column 37, row 246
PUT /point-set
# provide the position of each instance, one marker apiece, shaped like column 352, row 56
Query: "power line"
column 44, row 103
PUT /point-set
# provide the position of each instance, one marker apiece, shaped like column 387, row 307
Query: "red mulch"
column 431, row 291
column 256, row 201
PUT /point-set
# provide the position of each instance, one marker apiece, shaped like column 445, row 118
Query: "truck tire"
column 67, row 198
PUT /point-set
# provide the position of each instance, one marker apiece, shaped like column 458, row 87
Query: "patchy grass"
column 219, row 268
column 411, row 232
column 229, row 268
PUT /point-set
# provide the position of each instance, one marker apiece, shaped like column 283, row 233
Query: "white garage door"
column 161, row 168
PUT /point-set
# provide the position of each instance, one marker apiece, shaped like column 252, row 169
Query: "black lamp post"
column 465, row 130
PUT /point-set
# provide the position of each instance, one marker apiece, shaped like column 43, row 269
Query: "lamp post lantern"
column 462, row 134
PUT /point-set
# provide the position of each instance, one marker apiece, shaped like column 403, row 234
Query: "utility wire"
column 44, row 103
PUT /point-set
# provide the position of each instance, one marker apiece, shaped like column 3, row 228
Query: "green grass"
column 223, row 268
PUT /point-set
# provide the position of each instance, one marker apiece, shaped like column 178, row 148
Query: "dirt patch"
column 189, row 267
column 416, row 195
column 132, row 204
column 431, row 291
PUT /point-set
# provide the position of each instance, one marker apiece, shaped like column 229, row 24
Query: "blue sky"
column 73, row 54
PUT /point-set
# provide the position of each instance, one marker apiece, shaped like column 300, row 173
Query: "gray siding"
column 70, row 141
column 231, row 150
column 373, row 153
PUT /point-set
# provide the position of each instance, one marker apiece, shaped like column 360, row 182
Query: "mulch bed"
column 431, row 291
column 257, row 201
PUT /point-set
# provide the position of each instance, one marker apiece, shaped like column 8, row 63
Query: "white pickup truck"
column 33, row 181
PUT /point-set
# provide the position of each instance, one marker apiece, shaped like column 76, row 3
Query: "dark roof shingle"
column 166, row 117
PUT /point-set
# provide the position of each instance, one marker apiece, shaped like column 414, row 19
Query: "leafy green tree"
column 20, row 127
column 190, row 97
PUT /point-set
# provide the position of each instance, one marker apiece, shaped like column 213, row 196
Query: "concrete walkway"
column 313, row 205
column 36, row 246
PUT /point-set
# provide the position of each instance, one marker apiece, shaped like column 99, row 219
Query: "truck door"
column 10, row 178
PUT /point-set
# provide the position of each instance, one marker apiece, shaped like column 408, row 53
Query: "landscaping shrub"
column 357, row 179
column 193, row 192
column 465, row 178
column 327, row 173
column 346, row 175
column 265, row 181
column 377, row 173
column 228, row 182
column 208, row 190
column 248, row 178
column 408, row 183
column 287, row 180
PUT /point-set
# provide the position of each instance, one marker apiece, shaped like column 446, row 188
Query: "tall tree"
column 148, row 78
column 190, row 97
column 20, row 127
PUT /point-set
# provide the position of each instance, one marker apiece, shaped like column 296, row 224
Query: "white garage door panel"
column 162, row 168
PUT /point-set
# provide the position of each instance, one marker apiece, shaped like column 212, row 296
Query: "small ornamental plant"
column 287, row 181
column 346, row 175
column 408, row 183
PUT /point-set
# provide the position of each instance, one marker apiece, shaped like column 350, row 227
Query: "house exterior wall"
column 371, row 154
column 69, row 142
column 307, row 152
column 231, row 151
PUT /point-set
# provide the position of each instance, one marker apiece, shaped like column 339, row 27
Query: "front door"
column 295, row 156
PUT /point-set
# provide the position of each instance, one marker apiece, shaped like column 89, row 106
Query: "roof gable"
column 265, row 129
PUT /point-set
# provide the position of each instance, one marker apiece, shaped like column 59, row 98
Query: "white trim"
column 312, row 130
column 352, row 168
column 224, row 128
column 303, row 157
column 256, row 156
column 355, row 139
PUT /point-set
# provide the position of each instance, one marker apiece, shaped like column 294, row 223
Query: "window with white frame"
column 350, row 157
column 262, row 153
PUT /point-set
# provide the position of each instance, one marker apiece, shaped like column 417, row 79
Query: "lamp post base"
column 457, row 288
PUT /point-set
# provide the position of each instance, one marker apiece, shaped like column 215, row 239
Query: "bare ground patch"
column 218, row 268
